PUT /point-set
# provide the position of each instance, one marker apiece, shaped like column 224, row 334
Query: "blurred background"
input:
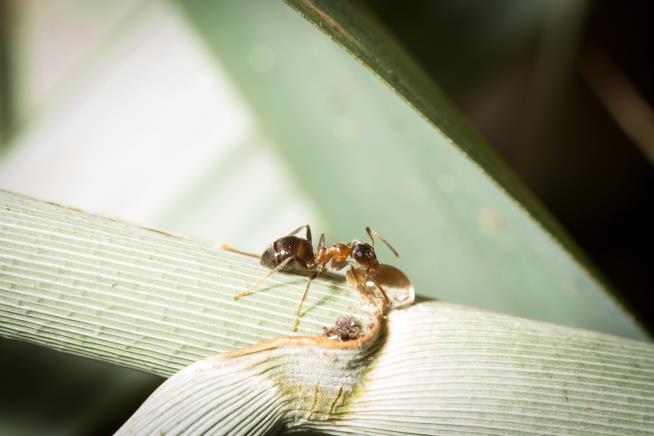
column 236, row 123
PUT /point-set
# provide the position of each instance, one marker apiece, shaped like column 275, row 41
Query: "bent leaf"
column 441, row 369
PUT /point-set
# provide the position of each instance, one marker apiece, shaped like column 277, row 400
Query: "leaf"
column 146, row 299
column 441, row 369
column 142, row 298
column 466, row 228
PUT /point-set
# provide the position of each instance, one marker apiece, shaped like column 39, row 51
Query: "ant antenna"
column 372, row 233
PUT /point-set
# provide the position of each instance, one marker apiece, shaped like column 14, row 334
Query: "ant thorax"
column 335, row 253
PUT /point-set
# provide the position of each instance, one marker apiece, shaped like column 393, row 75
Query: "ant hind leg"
column 361, row 287
column 354, row 280
column 226, row 247
column 299, row 229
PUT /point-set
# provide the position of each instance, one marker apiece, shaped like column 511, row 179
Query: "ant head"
column 364, row 254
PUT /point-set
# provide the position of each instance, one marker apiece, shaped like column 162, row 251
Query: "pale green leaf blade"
column 141, row 298
column 441, row 369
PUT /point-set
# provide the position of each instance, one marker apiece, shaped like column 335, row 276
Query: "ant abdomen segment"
column 299, row 250
column 292, row 253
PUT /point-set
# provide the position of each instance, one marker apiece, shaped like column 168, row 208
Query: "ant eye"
column 363, row 253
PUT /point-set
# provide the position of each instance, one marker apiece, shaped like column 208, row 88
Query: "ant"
column 292, row 253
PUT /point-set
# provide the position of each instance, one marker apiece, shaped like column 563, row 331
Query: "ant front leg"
column 383, row 293
column 354, row 280
column 338, row 265
column 226, row 247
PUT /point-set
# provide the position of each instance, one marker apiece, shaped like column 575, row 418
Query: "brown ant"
column 292, row 253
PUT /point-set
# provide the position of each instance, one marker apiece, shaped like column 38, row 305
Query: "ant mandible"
column 292, row 253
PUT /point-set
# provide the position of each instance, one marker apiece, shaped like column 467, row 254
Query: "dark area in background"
column 49, row 392
column 526, row 94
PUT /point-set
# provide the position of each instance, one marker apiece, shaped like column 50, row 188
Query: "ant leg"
column 254, row 288
column 383, row 292
column 226, row 247
column 373, row 233
column 340, row 264
column 308, row 235
column 353, row 279
column 353, row 276
column 319, row 256
column 304, row 296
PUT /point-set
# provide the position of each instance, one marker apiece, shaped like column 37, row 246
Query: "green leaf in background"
column 365, row 157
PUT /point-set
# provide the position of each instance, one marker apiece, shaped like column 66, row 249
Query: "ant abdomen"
column 298, row 249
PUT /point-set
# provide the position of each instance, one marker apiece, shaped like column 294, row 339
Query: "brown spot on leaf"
column 345, row 328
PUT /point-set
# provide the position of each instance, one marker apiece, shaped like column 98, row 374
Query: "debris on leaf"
column 345, row 328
